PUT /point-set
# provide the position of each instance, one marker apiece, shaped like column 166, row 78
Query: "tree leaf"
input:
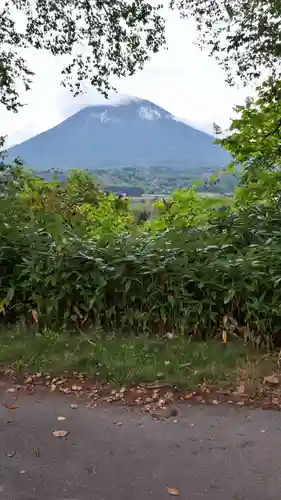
column 60, row 433
column 173, row 491
column 12, row 406
column 12, row 390
column 272, row 379
column 188, row 395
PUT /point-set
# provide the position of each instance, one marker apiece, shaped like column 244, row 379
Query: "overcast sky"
column 183, row 80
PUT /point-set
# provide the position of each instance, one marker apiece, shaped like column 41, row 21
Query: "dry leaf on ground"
column 61, row 418
column 272, row 379
column 11, row 406
column 12, row 390
column 188, row 395
column 60, row 433
column 65, row 390
column 173, row 491
column 73, row 406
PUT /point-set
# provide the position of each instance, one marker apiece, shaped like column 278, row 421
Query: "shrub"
column 73, row 254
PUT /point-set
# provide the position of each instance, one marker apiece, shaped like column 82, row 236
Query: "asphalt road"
column 110, row 453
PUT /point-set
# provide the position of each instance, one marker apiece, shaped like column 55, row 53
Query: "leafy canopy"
column 106, row 38
column 244, row 35
column 254, row 141
column 254, row 137
column 103, row 38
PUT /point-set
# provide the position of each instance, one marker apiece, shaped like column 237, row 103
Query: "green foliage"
column 114, row 38
column 185, row 281
column 254, row 142
column 102, row 39
column 254, row 136
column 244, row 35
column 185, row 209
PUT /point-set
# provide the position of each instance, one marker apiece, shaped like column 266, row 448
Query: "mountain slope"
column 137, row 134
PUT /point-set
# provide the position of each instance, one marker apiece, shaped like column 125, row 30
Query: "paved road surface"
column 211, row 453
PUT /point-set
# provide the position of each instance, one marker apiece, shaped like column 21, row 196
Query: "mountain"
column 137, row 133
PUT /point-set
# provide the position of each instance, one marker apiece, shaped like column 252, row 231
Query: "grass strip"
column 131, row 360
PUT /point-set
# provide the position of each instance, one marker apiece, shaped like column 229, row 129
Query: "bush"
column 73, row 254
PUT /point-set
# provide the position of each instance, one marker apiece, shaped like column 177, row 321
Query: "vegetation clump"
column 202, row 266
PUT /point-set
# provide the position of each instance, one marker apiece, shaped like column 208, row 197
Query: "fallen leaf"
column 65, row 390
column 23, row 471
column 240, row 403
column 119, row 424
column 12, row 390
column 173, row 491
column 272, row 379
column 60, row 433
column 211, row 438
column 239, row 390
column 11, row 454
column 53, row 387
column 61, row 418
column 11, row 406
column 215, row 402
column 73, row 406
column 76, row 388
column 188, row 395
column 224, row 337
column 28, row 380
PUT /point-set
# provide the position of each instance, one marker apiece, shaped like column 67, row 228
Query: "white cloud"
column 183, row 80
